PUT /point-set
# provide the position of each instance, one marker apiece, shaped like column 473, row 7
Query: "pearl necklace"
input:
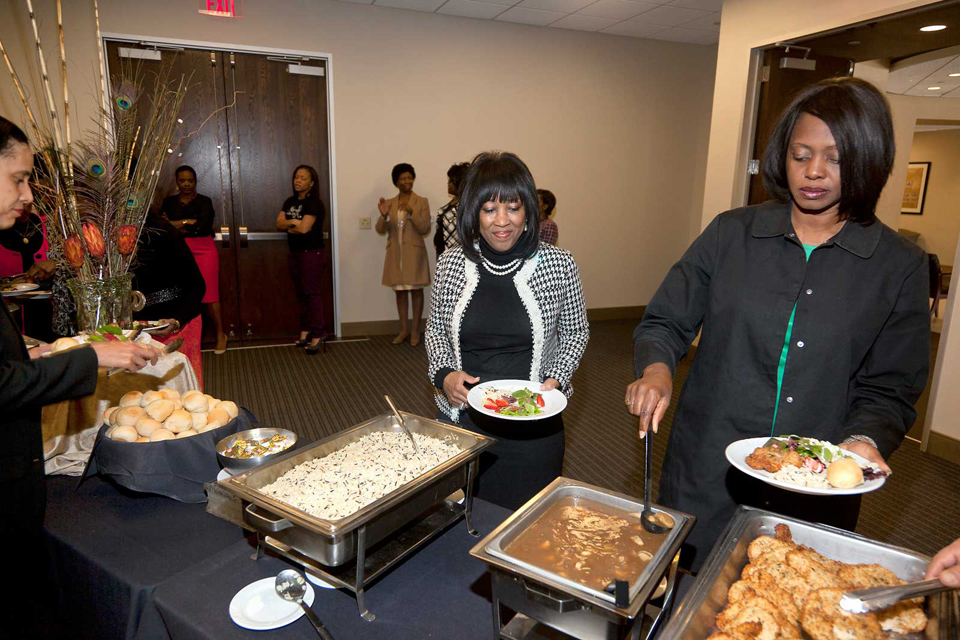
column 500, row 270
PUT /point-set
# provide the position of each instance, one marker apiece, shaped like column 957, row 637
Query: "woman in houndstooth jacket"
column 505, row 306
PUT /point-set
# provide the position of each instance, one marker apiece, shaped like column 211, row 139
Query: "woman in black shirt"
column 302, row 219
column 192, row 213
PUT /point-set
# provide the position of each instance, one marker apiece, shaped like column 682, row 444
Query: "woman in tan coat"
column 405, row 220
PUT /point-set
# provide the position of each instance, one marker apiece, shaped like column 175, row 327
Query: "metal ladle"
column 403, row 425
column 290, row 585
column 646, row 516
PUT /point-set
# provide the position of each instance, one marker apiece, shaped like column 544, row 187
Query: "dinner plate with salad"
column 805, row 465
column 516, row 400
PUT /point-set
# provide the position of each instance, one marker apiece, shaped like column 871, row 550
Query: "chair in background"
column 936, row 284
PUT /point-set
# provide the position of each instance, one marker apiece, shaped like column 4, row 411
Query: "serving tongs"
column 403, row 425
column 171, row 347
column 874, row 598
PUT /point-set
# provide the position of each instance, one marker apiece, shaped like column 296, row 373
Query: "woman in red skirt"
column 192, row 213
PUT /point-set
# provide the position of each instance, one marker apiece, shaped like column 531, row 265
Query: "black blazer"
column 25, row 387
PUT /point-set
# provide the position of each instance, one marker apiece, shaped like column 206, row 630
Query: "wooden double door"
column 248, row 121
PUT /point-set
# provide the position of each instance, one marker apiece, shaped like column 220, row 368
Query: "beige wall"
column 939, row 225
column 615, row 127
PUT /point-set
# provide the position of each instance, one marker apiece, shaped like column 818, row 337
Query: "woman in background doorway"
column 447, row 236
column 548, row 228
column 405, row 220
column 302, row 218
column 192, row 213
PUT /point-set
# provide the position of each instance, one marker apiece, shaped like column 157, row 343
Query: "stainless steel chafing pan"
column 694, row 619
column 334, row 542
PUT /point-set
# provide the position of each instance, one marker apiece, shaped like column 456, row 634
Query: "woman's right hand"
column 453, row 387
column 384, row 207
column 132, row 356
column 649, row 396
column 946, row 565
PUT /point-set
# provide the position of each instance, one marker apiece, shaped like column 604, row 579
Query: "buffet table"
column 129, row 566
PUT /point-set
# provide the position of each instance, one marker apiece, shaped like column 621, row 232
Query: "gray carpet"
column 918, row 508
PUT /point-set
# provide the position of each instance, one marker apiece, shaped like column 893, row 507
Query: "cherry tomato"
column 502, row 403
column 540, row 399
column 489, row 404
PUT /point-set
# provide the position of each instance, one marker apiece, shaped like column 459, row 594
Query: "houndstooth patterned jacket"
column 550, row 289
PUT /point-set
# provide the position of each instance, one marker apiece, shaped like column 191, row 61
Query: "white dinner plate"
column 19, row 288
column 154, row 325
column 257, row 606
column 320, row 582
column 553, row 401
column 738, row 451
column 223, row 475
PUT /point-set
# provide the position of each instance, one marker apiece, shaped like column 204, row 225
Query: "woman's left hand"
column 172, row 327
column 549, row 384
column 868, row 452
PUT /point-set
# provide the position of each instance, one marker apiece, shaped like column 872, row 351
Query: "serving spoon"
column 291, row 585
column 403, row 425
column 646, row 516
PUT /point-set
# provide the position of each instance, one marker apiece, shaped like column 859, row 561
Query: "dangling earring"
column 524, row 227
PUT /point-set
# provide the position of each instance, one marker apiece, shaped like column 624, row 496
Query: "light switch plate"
column 364, row 223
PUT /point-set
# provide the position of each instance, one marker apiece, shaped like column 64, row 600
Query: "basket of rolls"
column 162, row 442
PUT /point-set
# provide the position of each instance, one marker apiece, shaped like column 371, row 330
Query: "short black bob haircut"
column 859, row 119
column 182, row 168
column 401, row 168
column 9, row 135
column 548, row 199
column 456, row 173
column 315, row 189
column 497, row 176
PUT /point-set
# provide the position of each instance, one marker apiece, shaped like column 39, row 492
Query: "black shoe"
column 303, row 341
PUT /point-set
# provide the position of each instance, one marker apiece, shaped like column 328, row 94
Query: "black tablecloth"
column 108, row 549
column 439, row 592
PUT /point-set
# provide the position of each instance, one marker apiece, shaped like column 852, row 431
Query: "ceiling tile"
column 635, row 29
column 703, row 5
column 584, row 23
column 359, row 1
column 655, row 2
column 415, row 5
column 523, row 15
column 616, row 9
column 709, row 22
column 679, row 34
column 563, row 6
column 471, row 9
column 709, row 37
column 670, row 16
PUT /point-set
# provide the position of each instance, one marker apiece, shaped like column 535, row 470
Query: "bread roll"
column 199, row 420
column 170, row 394
column 109, row 432
column 147, row 425
column 210, row 400
column 160, row 409
column 186, row 434
column 230, row 407
column 844, row 473
column 162, row 434
column 191, row 392
column 210, row 426
column 178, row 421
column 125, row 434
column 196, row 403
column 142, row 439
column 62, row 344
column 108, row 415
column 219, row 415
column 128, row 416
column 131, row 399
column 150, row 396
column 177, row 403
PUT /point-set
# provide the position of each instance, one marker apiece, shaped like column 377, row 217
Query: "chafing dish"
column 390, row 528
column 540, row 596
column 695, row 616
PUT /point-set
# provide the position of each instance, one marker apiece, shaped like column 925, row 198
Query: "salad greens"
column 820, row 450
column 521, row 402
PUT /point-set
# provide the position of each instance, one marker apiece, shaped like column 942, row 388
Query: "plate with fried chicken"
column 805, row 465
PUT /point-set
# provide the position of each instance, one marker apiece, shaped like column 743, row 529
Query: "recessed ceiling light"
column 953, row 75
column 853, row 43
column 933, row 88
column 934, row 27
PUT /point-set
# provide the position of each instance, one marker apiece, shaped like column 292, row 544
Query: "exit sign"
column 220, row 8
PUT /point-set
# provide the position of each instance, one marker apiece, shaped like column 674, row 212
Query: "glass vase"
column 101, row 302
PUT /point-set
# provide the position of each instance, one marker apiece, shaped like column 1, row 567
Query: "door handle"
column 242, row 232
column 257, row 236
column 223, row 237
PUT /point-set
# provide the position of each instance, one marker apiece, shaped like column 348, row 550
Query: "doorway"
column 251, row 117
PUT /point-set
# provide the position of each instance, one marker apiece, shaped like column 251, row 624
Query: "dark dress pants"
column 307, row 269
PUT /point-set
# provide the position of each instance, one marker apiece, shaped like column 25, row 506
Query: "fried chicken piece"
column 772, row 557
column 817, row 575
column 766, row 544
column 866, row 576
column 903, row 618
column 720, row 635
column 823, row 619
column 784, row 576
column 782, row 532
column 772, row 459
column 831, row 565
column 765, row 587
column 737, row 616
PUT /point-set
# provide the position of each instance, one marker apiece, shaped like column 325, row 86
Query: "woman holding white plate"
column 505, row 306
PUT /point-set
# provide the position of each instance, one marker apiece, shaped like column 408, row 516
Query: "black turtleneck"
column 496, row 339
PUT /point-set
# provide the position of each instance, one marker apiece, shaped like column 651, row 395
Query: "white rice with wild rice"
column 802, row 476
column 343, row 482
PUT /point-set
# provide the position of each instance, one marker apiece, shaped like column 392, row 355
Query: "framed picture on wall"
column 915, row 190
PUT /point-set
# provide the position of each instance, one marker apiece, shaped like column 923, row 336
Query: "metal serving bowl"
column 239, row 465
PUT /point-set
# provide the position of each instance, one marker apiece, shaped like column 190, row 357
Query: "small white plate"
column 257, row 606
column 320, row 582
column 738, row 451
column 553, row 401
column 223, row 475
column 19, row 288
